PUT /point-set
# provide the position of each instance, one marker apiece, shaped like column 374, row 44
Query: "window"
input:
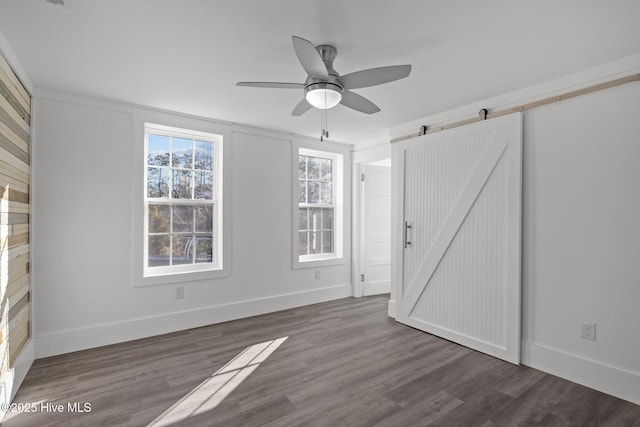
column 318, row 222
column 183, row 177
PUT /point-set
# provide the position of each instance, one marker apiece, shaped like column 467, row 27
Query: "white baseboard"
column 377, row 288
column 112, row 333
column 12, row 380
column 605, row 378
column 391, row 308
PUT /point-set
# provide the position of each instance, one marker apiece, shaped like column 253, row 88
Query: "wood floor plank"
column 585, row 407
column 344, row 363
column 551, row 420
column 520, row 381
column 426, row 413
column 535, row 403
column 477, row 410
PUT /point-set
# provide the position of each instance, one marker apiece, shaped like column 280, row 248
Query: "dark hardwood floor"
column 345, row 363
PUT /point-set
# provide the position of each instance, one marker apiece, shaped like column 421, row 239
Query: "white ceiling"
column 187, row 55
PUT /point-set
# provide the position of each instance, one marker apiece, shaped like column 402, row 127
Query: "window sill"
column 321, row 262
column 174, row 278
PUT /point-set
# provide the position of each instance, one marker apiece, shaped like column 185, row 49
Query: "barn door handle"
column 407, row 227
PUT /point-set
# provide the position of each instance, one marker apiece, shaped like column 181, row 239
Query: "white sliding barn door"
column 461, row 195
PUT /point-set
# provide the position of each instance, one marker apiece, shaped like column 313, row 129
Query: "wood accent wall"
column 15, row 311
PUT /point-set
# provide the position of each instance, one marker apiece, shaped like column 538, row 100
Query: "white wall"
column 581, row 229
column 83, row 184
column 581, row 235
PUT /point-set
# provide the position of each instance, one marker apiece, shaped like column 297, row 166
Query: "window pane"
column 159, row 218
column 326, row 193
column 181, row 170
column 182, row 153
column 181, row 184
column 158, row 182
column 327, row 242
column 204, row 249
column 303, row 221
column 182, row 252
column 315, row 218
column 203, row 188
column 158, row 251
column 325, row 169
column 204, row 219
column 314, row 242
column 313, row 168
column 157, row 150
column 302, row 192
column 302, row 166
column 183, row 219
column 303, row 243
column 204, row 155
column 314, row 192
column 327, row 219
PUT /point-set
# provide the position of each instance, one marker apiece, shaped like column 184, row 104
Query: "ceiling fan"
column 324, row 88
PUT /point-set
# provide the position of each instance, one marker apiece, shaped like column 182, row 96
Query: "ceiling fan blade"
column 274, row 85
column 358, row 103
column 375, row 76
column 302, row 107
column 310, row 58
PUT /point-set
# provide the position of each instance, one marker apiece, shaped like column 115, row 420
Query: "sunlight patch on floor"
column 218, row 386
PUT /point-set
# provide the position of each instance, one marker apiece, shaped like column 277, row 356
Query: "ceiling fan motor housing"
column 328, row 53
column 313, row 84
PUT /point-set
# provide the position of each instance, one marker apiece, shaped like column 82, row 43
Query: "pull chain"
column 324, row 121
column 321, row 126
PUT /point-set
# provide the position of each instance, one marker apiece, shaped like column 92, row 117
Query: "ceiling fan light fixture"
column 323, row 95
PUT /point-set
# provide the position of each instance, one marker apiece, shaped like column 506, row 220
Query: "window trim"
column 171, row 120
column 338, row 172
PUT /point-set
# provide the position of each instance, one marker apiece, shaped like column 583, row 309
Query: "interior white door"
column 376, row 229
column 461, row 195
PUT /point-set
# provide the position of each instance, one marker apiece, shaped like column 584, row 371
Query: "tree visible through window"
column 316, row 210
column 181, row 204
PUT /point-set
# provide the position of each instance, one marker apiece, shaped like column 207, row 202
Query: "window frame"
column 192, row 126
column 217, row 141
column 336, row 257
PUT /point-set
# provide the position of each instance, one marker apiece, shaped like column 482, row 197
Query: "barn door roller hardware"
column 424, row 129
column 484, row 113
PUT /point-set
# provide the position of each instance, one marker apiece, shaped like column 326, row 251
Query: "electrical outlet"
column 317, row 274
column 589, row 331
column 180, row 292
